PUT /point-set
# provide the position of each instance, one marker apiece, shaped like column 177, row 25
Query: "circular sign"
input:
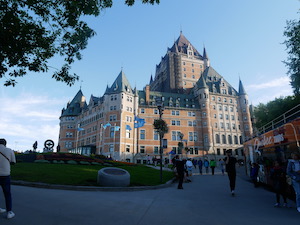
column 49, row 144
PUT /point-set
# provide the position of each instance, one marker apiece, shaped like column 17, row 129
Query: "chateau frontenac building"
column 198, row 103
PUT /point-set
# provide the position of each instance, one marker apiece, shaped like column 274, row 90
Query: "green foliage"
column 34, row 31
column 265, row 113
column 72, row 162
column 161, row 126
column 41, row 161
column 292, row 32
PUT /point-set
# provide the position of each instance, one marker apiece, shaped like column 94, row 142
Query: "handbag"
column 11, row 163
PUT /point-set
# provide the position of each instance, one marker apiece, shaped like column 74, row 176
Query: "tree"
column 265, row 113
column 34, row 31
column 292, row 32
column 161, row 127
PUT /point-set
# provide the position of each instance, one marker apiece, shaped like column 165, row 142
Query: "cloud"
column 26, row 118
column 279, row 82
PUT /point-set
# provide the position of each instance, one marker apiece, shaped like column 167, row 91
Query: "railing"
column 281, row 120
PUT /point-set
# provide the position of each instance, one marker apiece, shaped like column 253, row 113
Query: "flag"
column 117, row 128
column 128, row 127
column 106, row 125
column 139, row 122
column 80, row 129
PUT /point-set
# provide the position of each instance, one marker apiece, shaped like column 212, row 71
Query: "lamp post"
column 160, row 108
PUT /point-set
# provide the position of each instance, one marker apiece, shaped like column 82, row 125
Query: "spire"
column 201, row 82
column 151, row 79
column 241, row 88
column 205, row 56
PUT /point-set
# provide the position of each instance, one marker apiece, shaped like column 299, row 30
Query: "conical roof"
column 241, row 88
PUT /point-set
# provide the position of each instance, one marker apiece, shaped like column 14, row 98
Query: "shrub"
column 84, row 163
column 72, row 162
column 96, row 163
column 41, row 161
column 58, row 162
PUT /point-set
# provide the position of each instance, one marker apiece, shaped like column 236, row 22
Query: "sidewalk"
column 206, row 201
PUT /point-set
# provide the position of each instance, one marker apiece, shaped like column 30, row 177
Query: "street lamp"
column 160, row 107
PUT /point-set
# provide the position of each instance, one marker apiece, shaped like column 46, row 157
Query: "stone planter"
column 113, row 177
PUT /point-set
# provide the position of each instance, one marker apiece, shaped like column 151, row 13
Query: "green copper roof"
column 121, row 84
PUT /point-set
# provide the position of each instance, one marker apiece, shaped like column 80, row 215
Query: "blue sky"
column 243, row 40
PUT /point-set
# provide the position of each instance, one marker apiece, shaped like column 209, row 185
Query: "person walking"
column 212, row 165
column 179, row 164
column 7, row 157
column 200, row 165
column 254, row 173
column 231, row 170
column 293, row 170
column 279, row 183
column 222, row 165
column 189, row 168
column 206, row 165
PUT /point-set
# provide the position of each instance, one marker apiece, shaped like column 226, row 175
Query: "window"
column 218, row 151
column 222, row 125
column 196, row 151
column 224, row 139
column 175, row 113
column 68, row 144
column 190, row 123
column 127, row 148
column 142, row 134
column 142, row 149
column 155, row 136
column 229, row 139
column 213, row 98
column 232, row 117
column 127, row 133
column 220, row 107
column 236, row 140
column 155, row 111
column 217, row 139
column 219, row 99
column 227, row 117
column 193, row 136
column 142, row 110
column 111, row 147
column 191, row 113
column 174, row 149
column 155, row 150
column 225, row 108
column 191, row 151
column 221, row 116
column 112, row 132
column 206, row 138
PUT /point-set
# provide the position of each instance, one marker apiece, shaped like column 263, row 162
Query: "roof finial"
column 180, row 29
column 80, row 84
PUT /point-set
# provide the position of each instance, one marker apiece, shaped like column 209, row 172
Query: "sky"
column 243, row 39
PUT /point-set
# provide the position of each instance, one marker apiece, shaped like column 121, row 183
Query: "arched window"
column 217, row 139
column 224, row 139
column 229, row 139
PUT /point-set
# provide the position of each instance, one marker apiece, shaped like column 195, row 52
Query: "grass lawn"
column 83, row 175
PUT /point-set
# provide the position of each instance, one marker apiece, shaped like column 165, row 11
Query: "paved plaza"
column 205, row 201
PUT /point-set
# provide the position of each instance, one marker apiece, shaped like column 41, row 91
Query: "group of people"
column 184, row 169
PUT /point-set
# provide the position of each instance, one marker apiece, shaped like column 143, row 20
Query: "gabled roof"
column 181, row 45
column 121, row 84
column 75, row 107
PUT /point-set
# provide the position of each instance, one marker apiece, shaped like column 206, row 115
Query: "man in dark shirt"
column 180, row 171
column 230, row 169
